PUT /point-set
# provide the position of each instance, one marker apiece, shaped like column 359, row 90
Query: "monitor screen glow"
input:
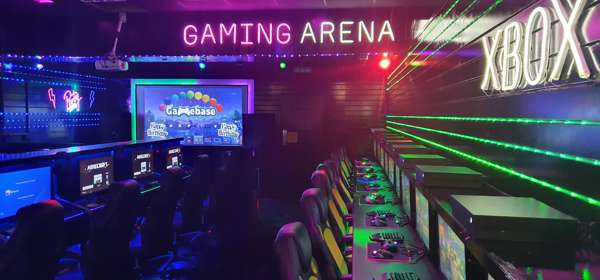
column 174, row 157
column 405, row 193
column 142, row 162
column 208, row 115
column 452, row 252
column 22, row 188
column 95, row 174
column 422, row 216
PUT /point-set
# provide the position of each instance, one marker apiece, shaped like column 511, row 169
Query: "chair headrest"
column 319, row 180
column 314, row 204
column 295, row 233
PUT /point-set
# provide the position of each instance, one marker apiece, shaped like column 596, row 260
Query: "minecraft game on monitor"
column 95, row 174
column 174, row 157
column 22, row 188
column 142, row 164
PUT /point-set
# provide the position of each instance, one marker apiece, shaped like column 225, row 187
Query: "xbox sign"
column 534, row 52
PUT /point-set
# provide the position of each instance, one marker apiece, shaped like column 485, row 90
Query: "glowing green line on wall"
column 579, row 159
column 489, row 9
column 500, row 168
column 499, row 120
column 435, row 24
column 431, row 42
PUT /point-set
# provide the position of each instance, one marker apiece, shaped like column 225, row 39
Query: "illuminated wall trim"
column 501, row 144
column 500, row 120
column 187, row 82
column 501, row 168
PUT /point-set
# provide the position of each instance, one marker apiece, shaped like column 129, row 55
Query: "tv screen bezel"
column 135, row 115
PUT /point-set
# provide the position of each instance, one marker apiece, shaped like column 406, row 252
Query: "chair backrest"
column 36, row 244
column 319, row 180
column 157, row 230
column 195, row 192
column 329, row 255
column 294, row 252
column 107, row 253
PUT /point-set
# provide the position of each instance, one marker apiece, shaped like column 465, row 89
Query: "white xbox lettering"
column 516, row 58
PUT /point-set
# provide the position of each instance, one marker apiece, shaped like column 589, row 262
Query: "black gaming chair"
column 195, row 192
column 107, row 254
column 157, row 228
column 331, row 260
column 36, row 244
column 294, row 252
column 340, row 222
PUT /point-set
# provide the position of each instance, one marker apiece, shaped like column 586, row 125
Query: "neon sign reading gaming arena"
column 524, row 59
column 246, row 34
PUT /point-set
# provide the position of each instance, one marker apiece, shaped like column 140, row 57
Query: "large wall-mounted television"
column 202, row 112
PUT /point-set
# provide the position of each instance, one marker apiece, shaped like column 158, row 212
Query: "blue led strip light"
column 67, row 79
column 506, row 145
column 50, row 83
column 58, row 72
column 500, row 168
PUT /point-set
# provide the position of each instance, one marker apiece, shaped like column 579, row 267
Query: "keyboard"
column 389, row 236
column 408, row 275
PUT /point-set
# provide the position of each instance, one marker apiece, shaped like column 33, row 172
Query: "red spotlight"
column 384, row 63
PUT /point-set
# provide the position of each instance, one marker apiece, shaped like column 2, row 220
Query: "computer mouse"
column 378, row 222
column 382, row 254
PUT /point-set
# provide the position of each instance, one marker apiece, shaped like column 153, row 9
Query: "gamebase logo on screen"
column 535, row 52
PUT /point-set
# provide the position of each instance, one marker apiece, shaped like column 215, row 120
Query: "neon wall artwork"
column 282, row 33
column 52, row 98
column 72, row 101
column 527, row 56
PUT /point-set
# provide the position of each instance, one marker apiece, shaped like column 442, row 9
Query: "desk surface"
column 365, row 269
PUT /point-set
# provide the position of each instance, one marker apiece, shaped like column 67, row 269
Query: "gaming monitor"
column 422, row 216
column 22, row 188
column 95, row 174
column 405, row 192
column 204, row 115
column 174, row 157
column 143, row 164
column 452, row 252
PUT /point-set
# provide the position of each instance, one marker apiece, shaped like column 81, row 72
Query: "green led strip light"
column 488, row 10
column 500, row 168
column 436, row 23
column 579, row 159
column 499, row 120
column 431, row 42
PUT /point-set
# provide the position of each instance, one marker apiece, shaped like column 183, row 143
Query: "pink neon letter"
column 285, row 34
column 208, row 33
column 228, row 32
column 187, row 36
column 263, row 32
column 52, row 98
column 246, row 27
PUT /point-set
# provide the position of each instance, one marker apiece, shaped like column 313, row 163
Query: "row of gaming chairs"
column 37, row 243
column 321, row 247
